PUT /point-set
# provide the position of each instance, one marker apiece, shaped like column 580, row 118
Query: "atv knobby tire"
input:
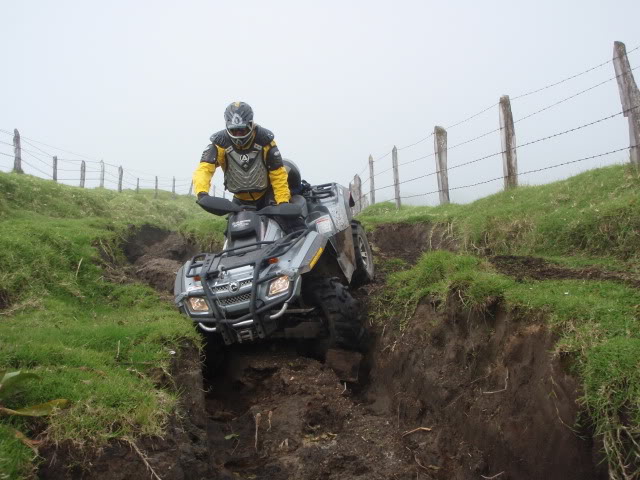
column 340, row 312
column 364, row 272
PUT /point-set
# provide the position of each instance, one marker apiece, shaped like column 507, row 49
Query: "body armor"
column 245, row 170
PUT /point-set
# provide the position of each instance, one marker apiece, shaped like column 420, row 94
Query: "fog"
column 144, row 84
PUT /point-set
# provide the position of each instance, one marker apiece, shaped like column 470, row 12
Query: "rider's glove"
column 201, row 195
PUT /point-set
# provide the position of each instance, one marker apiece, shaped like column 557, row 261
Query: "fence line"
column 106, row 176
column 630, row 100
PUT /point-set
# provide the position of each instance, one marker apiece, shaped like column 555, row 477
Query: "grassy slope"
column 593, row 214
column 596, row 213
column 91, row 341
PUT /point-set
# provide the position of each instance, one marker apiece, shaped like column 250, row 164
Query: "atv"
column 266, row 283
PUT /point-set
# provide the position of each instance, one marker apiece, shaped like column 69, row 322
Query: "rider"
column 249, row 158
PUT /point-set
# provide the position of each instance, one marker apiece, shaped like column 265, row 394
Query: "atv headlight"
column 198, row 304
column 279, row 285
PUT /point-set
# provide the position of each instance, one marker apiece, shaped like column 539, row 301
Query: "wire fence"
column 77, row 169
column 364, row 192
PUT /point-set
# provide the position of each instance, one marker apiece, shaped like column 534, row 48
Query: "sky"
column 144, row 84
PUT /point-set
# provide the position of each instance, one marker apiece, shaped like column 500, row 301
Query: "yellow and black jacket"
column 248, row 172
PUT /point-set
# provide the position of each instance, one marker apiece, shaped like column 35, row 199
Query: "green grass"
column 96, row 343
column 594, row 214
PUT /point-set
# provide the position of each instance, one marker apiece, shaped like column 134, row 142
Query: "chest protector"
column 245, row 170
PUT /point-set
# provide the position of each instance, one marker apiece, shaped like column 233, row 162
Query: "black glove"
column 201, row 195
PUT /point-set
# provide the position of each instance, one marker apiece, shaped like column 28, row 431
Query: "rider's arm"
column 211, row 158
column 277, row 173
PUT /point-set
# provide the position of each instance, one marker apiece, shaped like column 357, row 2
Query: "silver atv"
column 266, row 283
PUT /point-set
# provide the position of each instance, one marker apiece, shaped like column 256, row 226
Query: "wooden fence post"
column 120, row 172
column 17, row 152
column 101, row 173
column 440, row 149
column 214, row 190
column 156, row 194
column 191, row 188
column 508, row 138
column 83, row 171
column 224, row 193
column 630, row 99
column 396, row 176
column 55, row 168
column 137, row 185
column 356, row 193
column 372, row 188
column 173, row 187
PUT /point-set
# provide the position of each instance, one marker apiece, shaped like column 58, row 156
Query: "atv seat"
column 300, row 200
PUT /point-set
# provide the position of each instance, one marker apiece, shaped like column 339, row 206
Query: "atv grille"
column 225, row 288
column 244, row 297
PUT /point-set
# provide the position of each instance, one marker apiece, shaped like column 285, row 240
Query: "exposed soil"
column 409, row 241
column 156, row 256
column 454, row 396
column 537, row 268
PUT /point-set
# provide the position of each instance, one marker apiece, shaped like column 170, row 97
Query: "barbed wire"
column 522, row 95
column 37, row 169
column 532, row 142
column 522, row 173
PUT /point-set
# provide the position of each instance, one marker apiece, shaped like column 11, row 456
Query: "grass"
column 96, row 343
column 594, row 214
column 592, row 219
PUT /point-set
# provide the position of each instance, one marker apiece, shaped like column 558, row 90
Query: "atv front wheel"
column 364, row 272
column 340, row 312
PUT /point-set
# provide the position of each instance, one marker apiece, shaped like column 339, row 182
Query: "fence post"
column 17, row 152
column 214, row 190
column 55, row 168
column 120, row 172
column 372, row 188
column 356, row 193
column 508, row 138
column 156, row 194
column 173, row 187
column 440, row 149
column 224, row 193
column 396, row 175
column 83, row 171
column 191, row 188
column 630, row 99
column 137, row 185
column 101, row 173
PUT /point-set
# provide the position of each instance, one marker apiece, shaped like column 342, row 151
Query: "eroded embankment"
column 452, row 395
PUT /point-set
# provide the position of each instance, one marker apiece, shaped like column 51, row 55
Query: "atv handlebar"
column 221, row 206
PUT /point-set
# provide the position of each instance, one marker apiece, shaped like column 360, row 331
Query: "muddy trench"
column 453, row 396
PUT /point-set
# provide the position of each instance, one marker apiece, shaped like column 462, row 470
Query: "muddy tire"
column 340, row 312
column 365, row 271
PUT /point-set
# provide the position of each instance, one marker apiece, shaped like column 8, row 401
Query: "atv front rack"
column 209, row 265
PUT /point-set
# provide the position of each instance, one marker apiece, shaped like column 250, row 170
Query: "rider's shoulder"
column 221, row 139
column 263, row 135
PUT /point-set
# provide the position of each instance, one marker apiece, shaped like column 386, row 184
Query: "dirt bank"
column 181, row 454
column 409, row 241
column 453, row 396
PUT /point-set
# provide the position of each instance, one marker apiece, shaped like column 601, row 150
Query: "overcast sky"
column 144, row 84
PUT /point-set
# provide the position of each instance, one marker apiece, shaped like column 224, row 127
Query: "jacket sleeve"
column 205, row 170
column 278, row 175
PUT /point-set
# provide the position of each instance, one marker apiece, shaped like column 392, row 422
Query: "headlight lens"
column 279, row 285
column 198, row 304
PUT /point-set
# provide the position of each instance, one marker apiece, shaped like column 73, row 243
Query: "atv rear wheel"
column 364, row 272
column 340, row 312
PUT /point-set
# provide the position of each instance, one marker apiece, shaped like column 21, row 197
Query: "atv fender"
column 305, row 256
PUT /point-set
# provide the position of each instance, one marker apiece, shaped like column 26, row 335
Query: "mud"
column 409, row 241
column 537, row 268
column 156, row 255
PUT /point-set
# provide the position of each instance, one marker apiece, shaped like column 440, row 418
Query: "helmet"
column 238, row 118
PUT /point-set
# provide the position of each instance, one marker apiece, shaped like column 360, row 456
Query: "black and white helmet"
column 238, row 118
